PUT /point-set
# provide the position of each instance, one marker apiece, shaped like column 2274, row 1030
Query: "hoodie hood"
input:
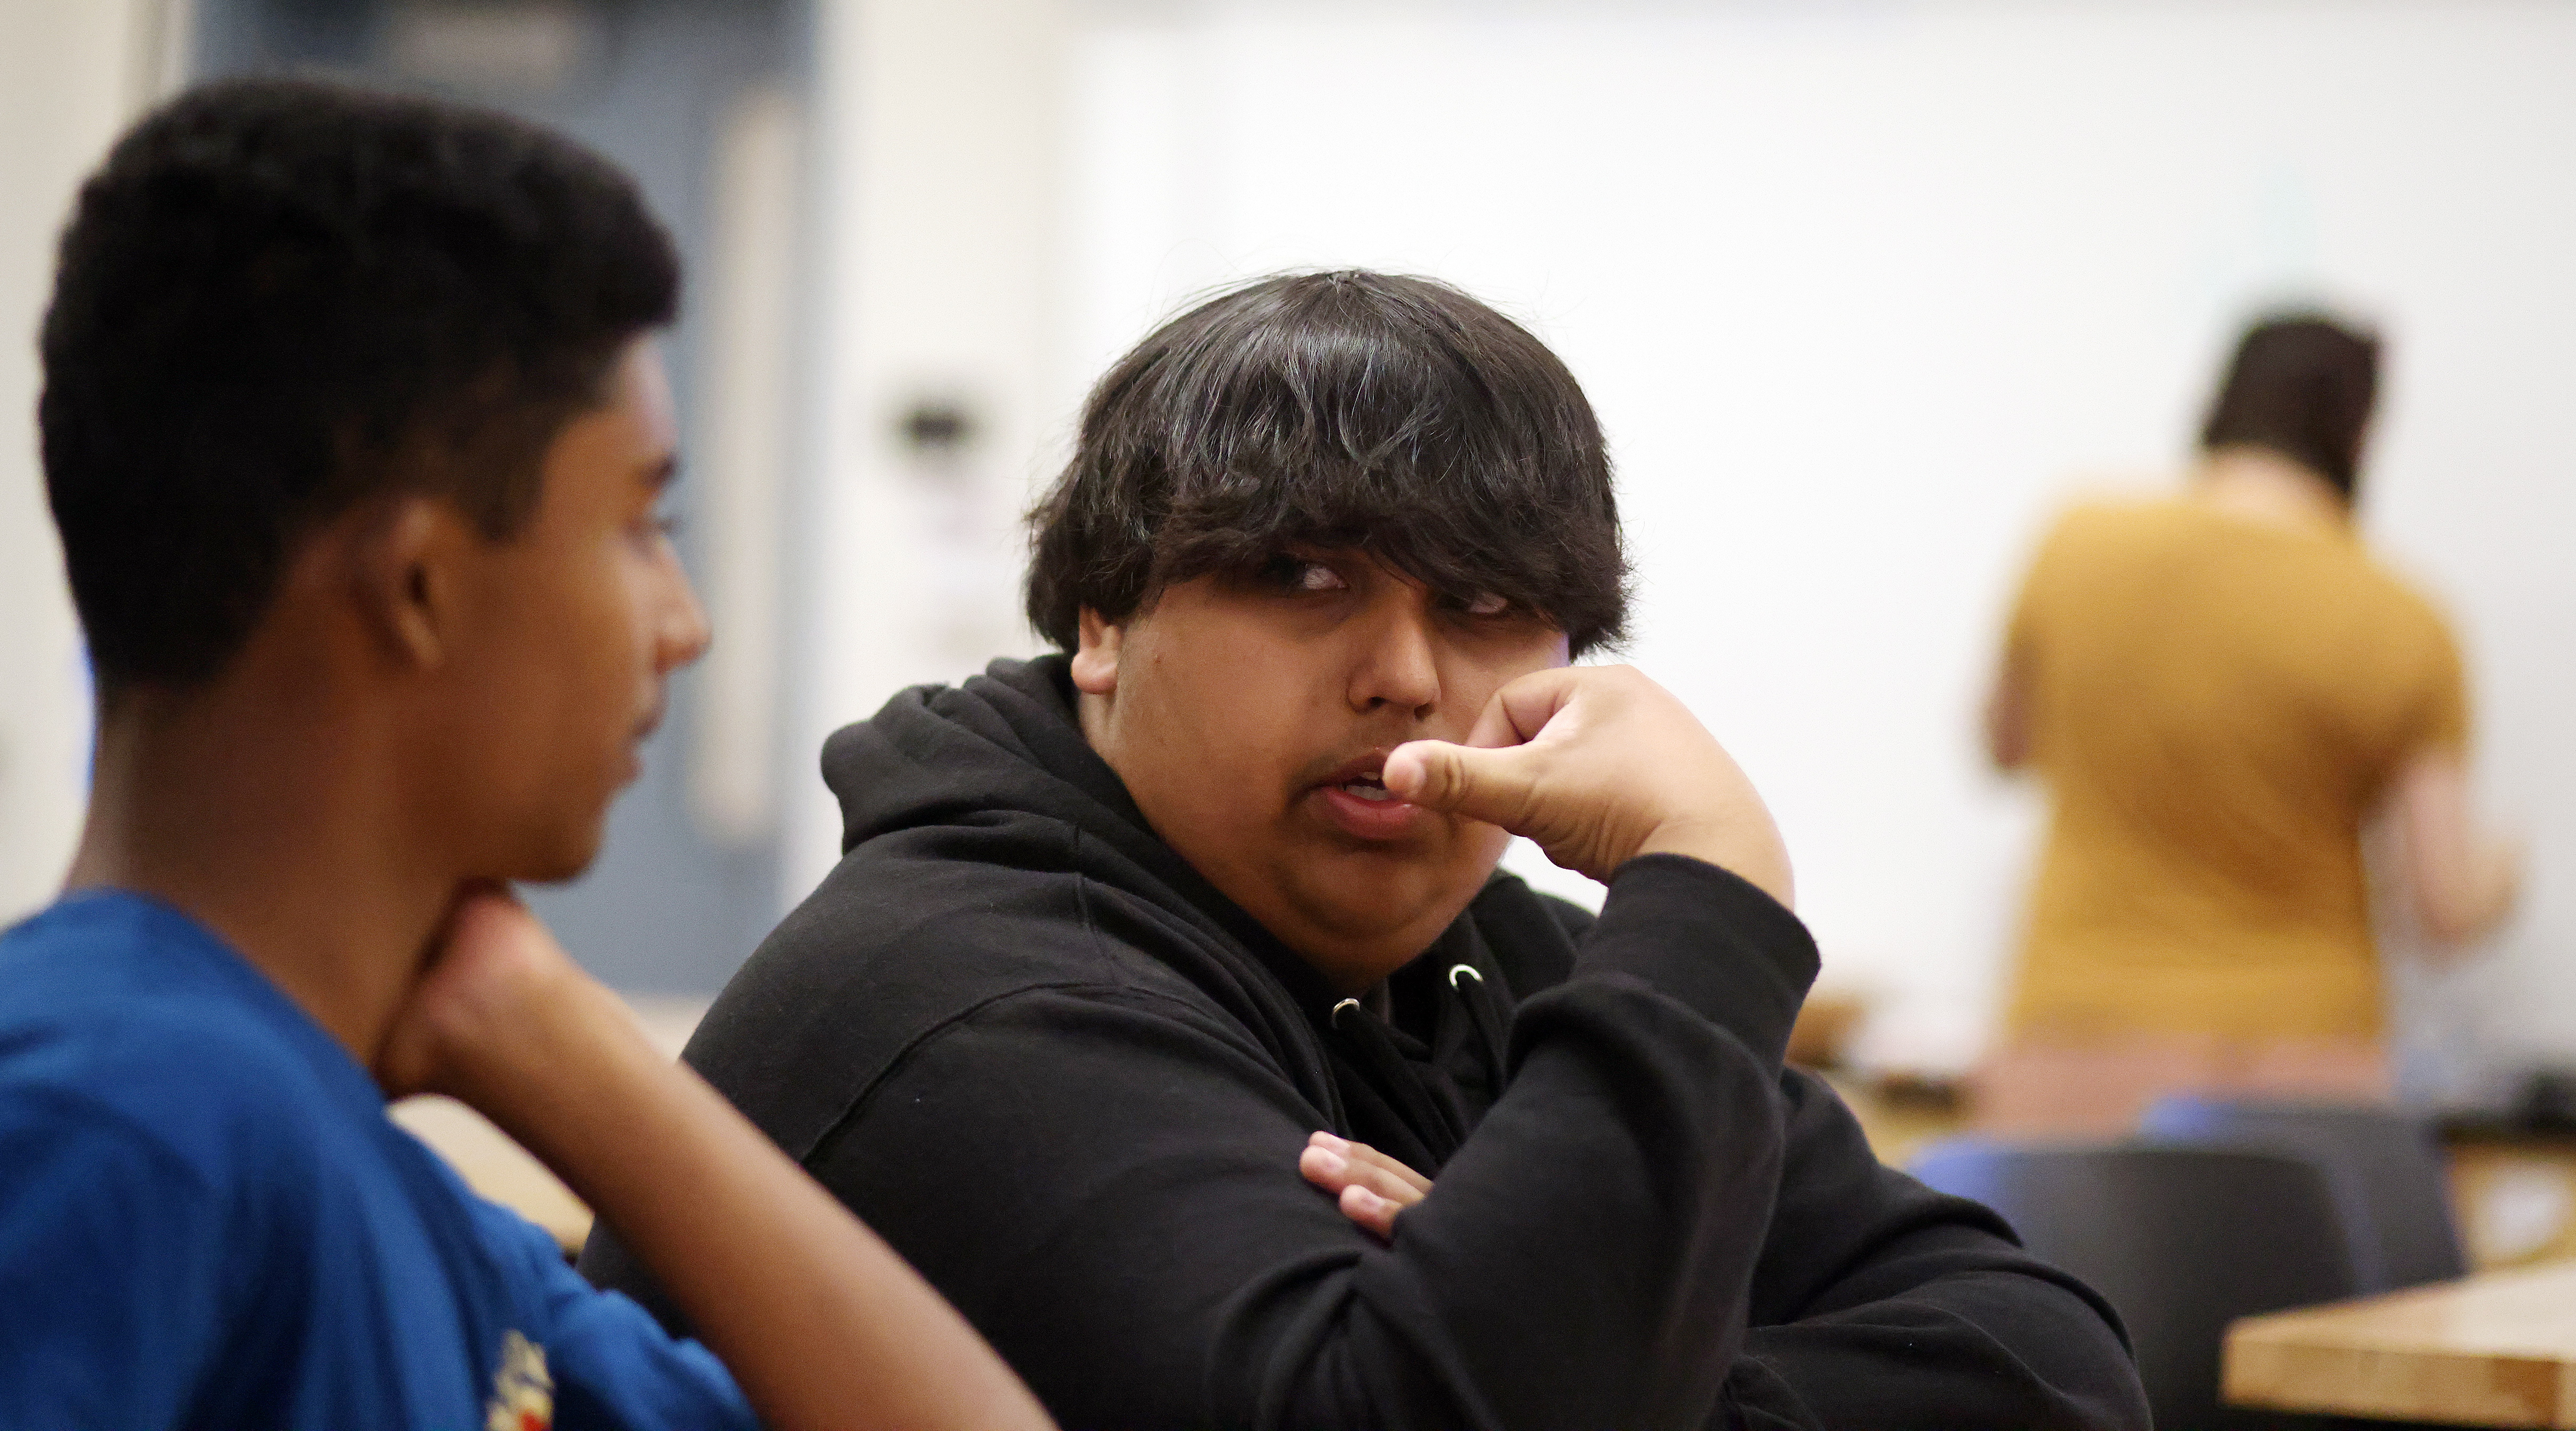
column 1009, row 744
column 1009, row 739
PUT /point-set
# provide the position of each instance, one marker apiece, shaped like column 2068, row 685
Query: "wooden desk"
column 2492, row 1350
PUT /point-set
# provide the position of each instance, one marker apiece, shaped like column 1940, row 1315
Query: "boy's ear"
column 1095, row 660
column 407, row 579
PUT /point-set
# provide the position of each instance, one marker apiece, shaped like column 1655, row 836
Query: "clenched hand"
column 1599, row 765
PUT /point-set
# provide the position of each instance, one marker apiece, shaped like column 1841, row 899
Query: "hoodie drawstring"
column 1394, row 1072
column 1376, row 1043
column 1484, row 1010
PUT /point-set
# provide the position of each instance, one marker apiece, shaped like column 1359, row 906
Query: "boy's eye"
column 1485, row 603
column 1292, row 573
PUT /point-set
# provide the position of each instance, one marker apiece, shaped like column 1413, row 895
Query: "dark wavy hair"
column 280, row 298
column 2301, row 385
column 1350, row 410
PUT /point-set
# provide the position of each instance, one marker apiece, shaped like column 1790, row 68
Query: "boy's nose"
column 686, row 633
column 1398, row 666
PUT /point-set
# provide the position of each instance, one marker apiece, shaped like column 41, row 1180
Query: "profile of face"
column 554, row 642
column 1250, row 717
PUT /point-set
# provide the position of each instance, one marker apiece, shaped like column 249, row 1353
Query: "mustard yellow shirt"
column 2216, row 704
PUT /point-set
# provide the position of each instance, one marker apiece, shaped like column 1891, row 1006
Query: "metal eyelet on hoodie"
column 1492, row 1028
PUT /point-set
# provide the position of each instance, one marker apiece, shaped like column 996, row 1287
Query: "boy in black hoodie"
column 1126, row 938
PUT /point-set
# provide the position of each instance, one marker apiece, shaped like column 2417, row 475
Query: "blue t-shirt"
column 207, row 1220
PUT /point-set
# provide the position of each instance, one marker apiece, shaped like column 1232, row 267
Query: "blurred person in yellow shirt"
column 2221, row 690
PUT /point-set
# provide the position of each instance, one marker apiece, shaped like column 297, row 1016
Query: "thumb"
column 1482, row 784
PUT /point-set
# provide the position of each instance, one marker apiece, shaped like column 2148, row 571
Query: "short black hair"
column 2301, row 385
column 279, row 298
column 1344, row 410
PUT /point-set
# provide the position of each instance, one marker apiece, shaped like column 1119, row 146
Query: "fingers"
column 1529, row 702
column 1375, row 1215
column 483, row 909
column 1490, row 776
column 1598, row 765
column 1388, row 1175
column 1522, row 708
column 1370, row 1187
column 1355, row 1165
column 1489, row 785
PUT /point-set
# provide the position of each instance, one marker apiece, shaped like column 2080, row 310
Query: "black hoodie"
column 1069, row 1081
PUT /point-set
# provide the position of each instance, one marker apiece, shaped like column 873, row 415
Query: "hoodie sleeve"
column 1880, row 1302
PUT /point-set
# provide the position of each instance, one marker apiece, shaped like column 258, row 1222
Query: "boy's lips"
column 644, row 729
column 1353, row 799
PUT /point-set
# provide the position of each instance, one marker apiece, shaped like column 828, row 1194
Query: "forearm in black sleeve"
column 1585, row 1258
column 1105, row 1183
column 1972, row 1342
column 1889, row 1305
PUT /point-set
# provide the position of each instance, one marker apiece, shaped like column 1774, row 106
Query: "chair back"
column 2182, row 1240
column 2386, row 1168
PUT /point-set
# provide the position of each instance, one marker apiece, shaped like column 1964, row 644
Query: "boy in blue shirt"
column 355, row 431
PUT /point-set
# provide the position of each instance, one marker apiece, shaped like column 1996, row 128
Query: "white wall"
column 1862, row 292
column 70, row 74
column 938, row 151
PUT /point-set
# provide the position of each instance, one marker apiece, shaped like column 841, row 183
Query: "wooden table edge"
column 2310, row 1360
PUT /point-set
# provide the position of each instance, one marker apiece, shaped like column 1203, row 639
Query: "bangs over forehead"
column 1349, row 411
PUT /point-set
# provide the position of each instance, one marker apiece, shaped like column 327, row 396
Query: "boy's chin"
column 1386, row 888
column 1389, row 921
column 554, row 856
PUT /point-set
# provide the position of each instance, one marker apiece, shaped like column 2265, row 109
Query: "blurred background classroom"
column 1867, row 293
